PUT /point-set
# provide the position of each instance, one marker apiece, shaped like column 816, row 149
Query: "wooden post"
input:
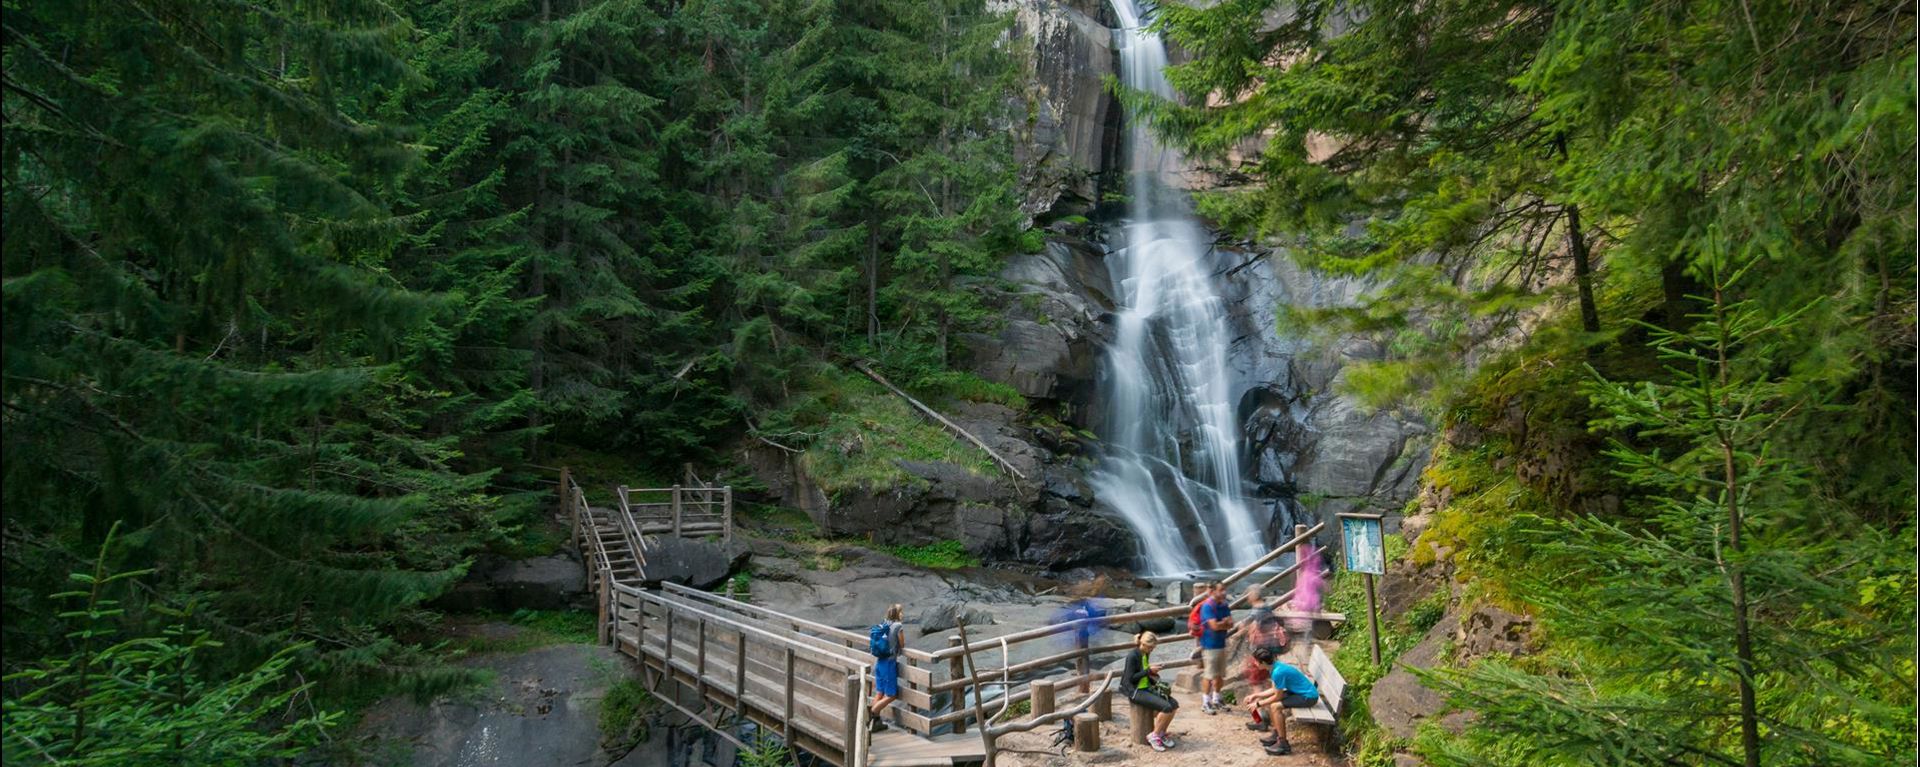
column 1373, row 620
column 979, row 707
column 851, row 688
column 613, row 617
column 1139, row 723
column 1084, row 665
column 640, row 632
column 1042, row 697
column 566, row 505
column 786, row 712
column 726, row 513
column 605, row 595
column 1103, row 706
column 666, row 660
column 676, row 511
column 956, row 671
column 740, row 673
column 1086, row 733
column 700, row 660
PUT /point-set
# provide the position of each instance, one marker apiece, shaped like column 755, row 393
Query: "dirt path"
column 1204, row 741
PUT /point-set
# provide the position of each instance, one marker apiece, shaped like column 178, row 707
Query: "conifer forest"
column 314, row 310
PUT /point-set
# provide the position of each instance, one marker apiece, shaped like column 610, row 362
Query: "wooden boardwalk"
column 726, row 663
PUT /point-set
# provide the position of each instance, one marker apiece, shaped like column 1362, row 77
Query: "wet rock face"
column 1052, row 306
column 1305, row 440
column 1071, row 133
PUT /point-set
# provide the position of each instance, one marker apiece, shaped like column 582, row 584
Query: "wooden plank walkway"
column 723, row 662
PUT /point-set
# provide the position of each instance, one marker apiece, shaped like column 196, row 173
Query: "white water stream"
column 1172, row 460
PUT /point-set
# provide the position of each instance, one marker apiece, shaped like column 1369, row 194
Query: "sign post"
column 1362, row 537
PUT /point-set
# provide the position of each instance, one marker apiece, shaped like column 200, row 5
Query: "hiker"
column 1216, row 621
column 1262, row 628
column 885, row 640
column 1141, row 683
column 1202, row 591
column 1260, row 690
column 1291, row 689
column 1262, row 631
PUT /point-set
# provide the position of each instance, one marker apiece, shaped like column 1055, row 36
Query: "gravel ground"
column 1204, row 741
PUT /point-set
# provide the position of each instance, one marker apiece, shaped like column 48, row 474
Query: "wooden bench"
column 1323, row 622
column 1332, row 686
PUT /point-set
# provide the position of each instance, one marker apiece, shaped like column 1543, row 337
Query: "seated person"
column 1290, row 689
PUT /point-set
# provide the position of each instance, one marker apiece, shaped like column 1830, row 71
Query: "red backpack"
column 1196, row 625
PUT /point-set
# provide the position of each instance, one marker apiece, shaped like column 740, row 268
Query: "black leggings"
column 1153, row 701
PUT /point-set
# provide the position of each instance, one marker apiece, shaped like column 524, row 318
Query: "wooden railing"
column 683, row 511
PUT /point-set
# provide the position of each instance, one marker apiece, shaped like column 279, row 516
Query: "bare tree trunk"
column 1582, row 271
column 1582, row 258
column 1736, row 578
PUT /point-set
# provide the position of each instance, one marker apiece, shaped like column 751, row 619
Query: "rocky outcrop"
column 1307, row 441
column 556, row 582
column 690, row 562
column 1052, row 304
column 542, row 707
column 1072, row 128
column 1399, row 702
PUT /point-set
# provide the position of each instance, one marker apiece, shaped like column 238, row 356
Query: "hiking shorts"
column 1296, row 700
column 1153, row 701
column 1214, row 662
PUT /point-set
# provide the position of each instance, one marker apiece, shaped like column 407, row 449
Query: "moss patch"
column 941, row 555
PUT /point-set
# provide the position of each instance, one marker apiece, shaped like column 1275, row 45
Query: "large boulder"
column 690, row 562
column 555, row 582
column 946, row 615
column 1399, row 702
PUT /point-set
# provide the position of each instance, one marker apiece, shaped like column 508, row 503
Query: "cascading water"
column 1171, row 465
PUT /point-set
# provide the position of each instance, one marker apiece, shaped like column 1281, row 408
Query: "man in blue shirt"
column 1291, row 689
column 1216, row 621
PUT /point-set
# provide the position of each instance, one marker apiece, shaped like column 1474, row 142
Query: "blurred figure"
column 1307, row 591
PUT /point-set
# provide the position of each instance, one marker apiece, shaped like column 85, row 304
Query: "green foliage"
column 940, row 555
column 623, row 714
column 1726, row 577
column 858, row 433
column 294, row 292
column 149, row 699
column 766, row 752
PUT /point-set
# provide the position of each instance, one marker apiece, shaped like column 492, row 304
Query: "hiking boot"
column 1206, row 707
column 1158, row 743
column 1279, row 749
column 875, row 725
column 1259, row 726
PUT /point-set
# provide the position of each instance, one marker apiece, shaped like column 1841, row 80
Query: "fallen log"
column 877, row 378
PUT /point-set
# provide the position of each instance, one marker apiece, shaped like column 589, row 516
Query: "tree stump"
column 1103, row 706
column 1140, row 722
column 1086, row 733
column 1043, row 697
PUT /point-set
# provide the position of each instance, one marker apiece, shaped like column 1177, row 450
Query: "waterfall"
column 1171, row 465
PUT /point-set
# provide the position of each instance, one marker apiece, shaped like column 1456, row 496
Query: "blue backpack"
column 880, row 640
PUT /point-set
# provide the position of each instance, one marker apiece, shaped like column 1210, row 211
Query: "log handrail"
column 855, row 639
